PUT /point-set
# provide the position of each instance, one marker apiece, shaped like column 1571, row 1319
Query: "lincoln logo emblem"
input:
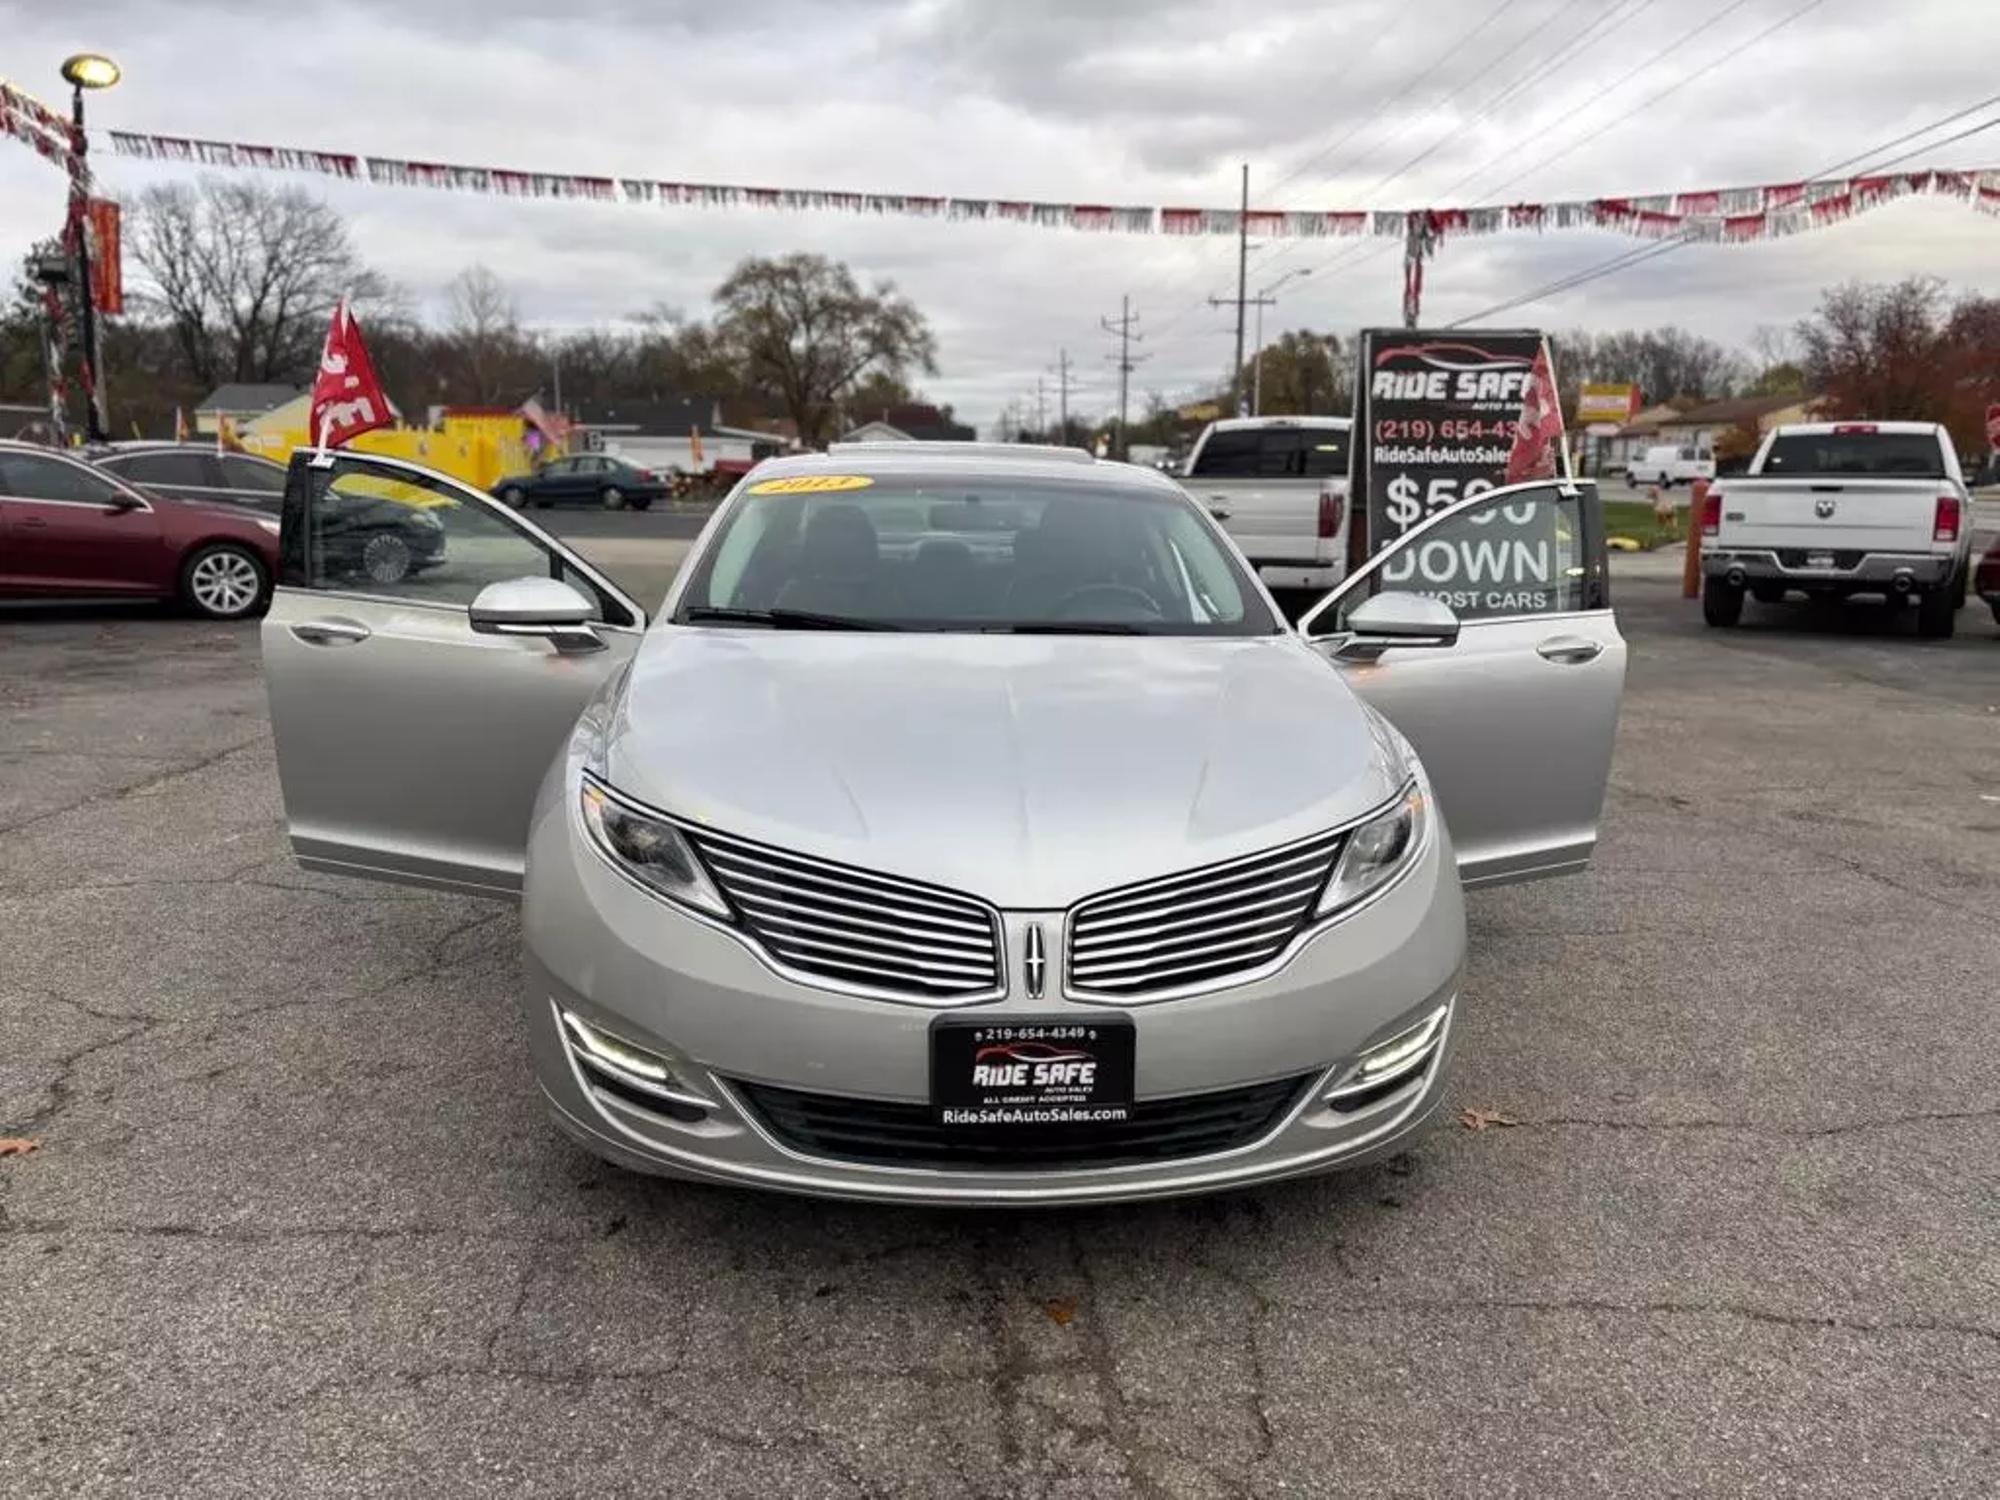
column 1823, row 509
column 1037, row 962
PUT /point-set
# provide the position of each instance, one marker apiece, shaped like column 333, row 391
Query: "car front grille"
column 874, row 1132
column 857, row 928
column 1199, row 927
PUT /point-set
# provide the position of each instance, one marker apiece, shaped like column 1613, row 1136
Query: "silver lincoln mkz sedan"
column 969, row 827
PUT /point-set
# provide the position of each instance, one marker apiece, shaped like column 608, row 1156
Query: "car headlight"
column 269, row 525
column 649, row 849
column 427, row 518
column 1378, row 851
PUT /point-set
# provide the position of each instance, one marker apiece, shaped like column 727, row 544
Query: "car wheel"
column 1721, row 602
column 514, row 496
column 613, row 497
column 1768, row 593
column 223, row 581
column 641, row 502
column 386, row 558
column 1937, row 613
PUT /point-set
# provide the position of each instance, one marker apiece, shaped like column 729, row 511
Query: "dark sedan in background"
column 595, row 478
column 72, row 530
column 365, row 536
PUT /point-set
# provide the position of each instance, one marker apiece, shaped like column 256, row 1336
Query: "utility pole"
column 1041, row 411
column 1062, row 393
column 1242, row 283
column 1122, row 326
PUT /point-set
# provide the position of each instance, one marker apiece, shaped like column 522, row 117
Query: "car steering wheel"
column 1119, row 591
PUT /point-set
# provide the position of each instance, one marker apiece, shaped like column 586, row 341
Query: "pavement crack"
column 1758, row 1127
column 143, row 787
column 1101, row 1360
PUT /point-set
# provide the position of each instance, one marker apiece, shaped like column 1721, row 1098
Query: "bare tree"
column 245, row 274
column 802, row 326
column 485, row 330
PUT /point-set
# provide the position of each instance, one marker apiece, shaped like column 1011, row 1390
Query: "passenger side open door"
column 412, row 727
column 1515, row 712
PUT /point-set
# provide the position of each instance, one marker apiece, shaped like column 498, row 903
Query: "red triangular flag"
column 347, row 399
column 1540, row 427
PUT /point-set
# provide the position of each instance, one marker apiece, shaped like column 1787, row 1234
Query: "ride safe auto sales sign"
column 1443, row 416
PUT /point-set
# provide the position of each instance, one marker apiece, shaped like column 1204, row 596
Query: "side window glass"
column 1524, row 555
column 1226, row 455
column 409, row 536
column 29, row 476
column 248, row 474
column 1326, row 454
column 177, row 469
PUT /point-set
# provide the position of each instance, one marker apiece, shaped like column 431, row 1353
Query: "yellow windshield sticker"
column 811, row 484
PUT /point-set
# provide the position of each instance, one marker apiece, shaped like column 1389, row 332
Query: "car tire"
column 514, row 497
column 612, row 497
column 1768, row 593
column 1721, row 602
column 224, row 581
column 641, row 502
column 1937, row 613
column 387, row 558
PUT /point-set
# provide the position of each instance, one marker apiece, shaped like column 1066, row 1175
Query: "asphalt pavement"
column 296, row 1225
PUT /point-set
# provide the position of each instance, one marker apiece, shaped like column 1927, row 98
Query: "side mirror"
column 544, row 607
column 123, row 501
column 1393, row 619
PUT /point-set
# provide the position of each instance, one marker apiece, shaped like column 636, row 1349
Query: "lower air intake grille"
column 878, row 932
column 1199, row 927
column 872, row 1132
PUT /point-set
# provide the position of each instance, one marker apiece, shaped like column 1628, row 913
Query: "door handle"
column 1571, row 650
column 330, row 632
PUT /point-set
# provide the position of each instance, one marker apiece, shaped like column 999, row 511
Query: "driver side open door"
column 1515, row 719
column 410, row 743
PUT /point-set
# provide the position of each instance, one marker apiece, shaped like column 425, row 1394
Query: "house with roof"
column 242, row 403
column 680, row 432
column 1700, row 426
column 913, row 423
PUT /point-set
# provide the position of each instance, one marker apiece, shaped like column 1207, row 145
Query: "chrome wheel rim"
column 224, row 583
column 386, row 559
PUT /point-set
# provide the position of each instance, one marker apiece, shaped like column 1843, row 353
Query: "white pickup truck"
column 1278, row 485
column 1839, row 508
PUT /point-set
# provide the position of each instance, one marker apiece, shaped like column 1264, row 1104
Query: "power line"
column 1123, row 326
column 1631, row 258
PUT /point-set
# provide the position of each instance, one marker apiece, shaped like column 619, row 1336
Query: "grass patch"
column 1634, row 518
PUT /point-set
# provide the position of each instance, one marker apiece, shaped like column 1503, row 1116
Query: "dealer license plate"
column 1025, row 1073
column 1819, row 559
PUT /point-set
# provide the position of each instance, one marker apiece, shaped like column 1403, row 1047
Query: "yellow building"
column 480, row 445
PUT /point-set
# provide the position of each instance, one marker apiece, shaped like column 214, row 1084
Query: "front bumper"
column 600, row 948
column 1865, row 573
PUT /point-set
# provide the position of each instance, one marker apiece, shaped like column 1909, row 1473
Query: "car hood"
column 1031, row 770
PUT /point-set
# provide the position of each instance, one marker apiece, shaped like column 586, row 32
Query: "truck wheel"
column 1721, row 602
column 1768, row 593
column 1937, row 613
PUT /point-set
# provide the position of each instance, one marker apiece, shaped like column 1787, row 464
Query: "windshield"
column 1909, row 455
column 986, row 553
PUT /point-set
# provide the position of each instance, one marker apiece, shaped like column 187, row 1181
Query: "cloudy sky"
column 1333, row 103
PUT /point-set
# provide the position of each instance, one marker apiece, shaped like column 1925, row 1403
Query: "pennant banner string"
column 1713, row 215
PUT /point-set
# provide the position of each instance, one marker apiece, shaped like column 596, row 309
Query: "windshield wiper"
column 1068, row 627
column 782, row 619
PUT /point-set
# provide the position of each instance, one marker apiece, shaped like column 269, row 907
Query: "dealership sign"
column 1606, row 405
column 1447, row 415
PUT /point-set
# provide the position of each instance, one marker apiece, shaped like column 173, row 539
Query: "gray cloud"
column 1112, row 101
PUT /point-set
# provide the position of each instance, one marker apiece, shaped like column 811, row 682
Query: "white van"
column 1669, row 466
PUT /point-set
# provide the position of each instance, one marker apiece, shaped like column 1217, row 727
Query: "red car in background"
column 70, row 530
column 1986, row 579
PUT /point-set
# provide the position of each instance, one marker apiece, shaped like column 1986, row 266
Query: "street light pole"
column 86, row 70
column 1266, row 298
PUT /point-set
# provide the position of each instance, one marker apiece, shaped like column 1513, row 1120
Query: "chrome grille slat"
column 1128, row 917
column 778, row 913
column 855, row 928
column 1199, row 926
column 836, row 875
column 860, row 900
